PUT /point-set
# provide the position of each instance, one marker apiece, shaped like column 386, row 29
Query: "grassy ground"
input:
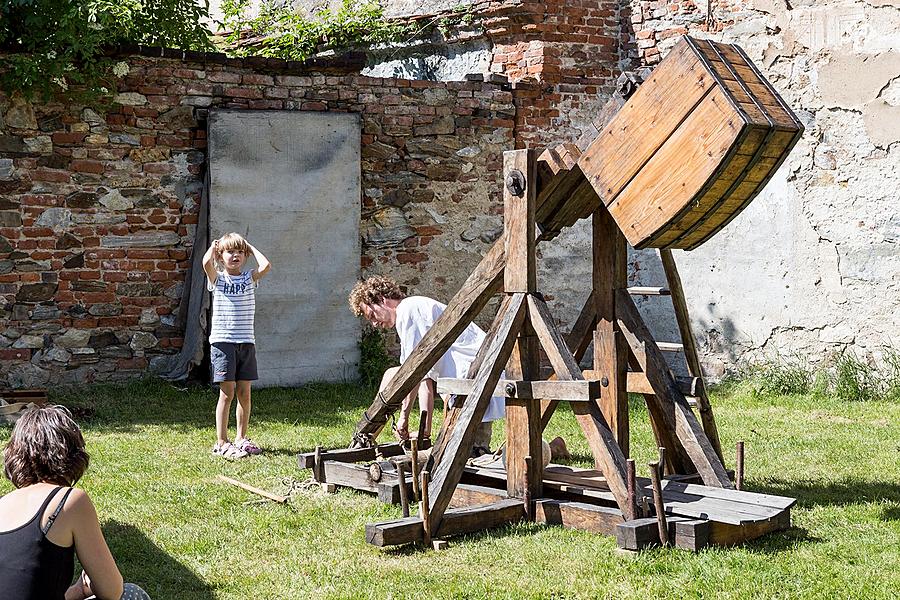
column 182, row 535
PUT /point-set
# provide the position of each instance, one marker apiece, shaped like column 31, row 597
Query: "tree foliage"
column 52, row 45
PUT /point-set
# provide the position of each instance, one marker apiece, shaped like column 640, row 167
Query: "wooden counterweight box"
column 694, row 145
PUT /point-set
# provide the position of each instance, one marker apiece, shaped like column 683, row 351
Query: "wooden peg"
column 423, row 419
column 658, row 504
column 631, row 481
column 739, row 466
column 317, row 465
column 415, row 470
column 662, row 462
column 404, row 493
column 423, row 508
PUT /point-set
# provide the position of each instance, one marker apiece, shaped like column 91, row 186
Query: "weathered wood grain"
column 520, row 274
column 669, row 404
column 456, row 451
column 578, row 515
column 570, row 391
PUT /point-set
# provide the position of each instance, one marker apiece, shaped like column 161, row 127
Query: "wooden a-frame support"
column 524, row 323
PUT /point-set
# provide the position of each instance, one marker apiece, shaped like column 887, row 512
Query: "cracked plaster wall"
column 813, row 264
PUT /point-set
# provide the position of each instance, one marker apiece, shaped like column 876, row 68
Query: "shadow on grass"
column 834, row 493
column 506, row 531
column 124, row 407
column 144, row 563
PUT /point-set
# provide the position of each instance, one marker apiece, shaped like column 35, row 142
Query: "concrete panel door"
column 289, row 182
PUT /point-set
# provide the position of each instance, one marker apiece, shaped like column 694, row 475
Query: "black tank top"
column 31, row 566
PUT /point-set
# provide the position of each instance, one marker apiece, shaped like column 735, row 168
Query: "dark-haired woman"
column 44, row 522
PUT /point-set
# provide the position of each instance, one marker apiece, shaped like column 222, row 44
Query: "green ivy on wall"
column 279, row 32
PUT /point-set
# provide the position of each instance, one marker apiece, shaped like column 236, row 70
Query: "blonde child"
column 231, row 338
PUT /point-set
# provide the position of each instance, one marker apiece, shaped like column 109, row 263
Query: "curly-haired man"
column 383, row 304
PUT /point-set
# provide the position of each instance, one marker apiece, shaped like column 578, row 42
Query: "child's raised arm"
column 264, row 266
column 209, row 262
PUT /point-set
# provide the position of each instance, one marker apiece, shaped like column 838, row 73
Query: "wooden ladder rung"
column 649, row 291
column 670, row 346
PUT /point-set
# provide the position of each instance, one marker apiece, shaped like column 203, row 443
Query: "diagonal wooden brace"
column 607, row 454
column 448, row 471
column 670, row 404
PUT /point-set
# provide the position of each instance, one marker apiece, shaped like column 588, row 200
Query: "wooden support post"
column 668, row 404
column 415, row 469
column 690, row 350
column 404, row 492
column 739, row 467
column 423, row 420
column 631, row 510
column 658, row 503
column 426, row 514
column 610, row 349
column 608, row 456
column 455, row 453
column 519, row 187
column 527, row 496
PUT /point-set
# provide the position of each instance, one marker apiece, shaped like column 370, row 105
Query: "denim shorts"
column 232, row 362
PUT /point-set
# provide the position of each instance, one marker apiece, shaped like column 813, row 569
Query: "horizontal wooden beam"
column 638, row 384
column 307, row 459
column 649, row 291
column 578, row 515
column 456, row 521
column 571, row 391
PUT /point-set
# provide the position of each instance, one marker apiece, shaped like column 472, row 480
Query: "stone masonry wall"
column 98, row 207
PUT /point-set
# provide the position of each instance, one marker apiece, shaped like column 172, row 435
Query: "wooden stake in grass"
column 404, row 493
column 739, row 467
column 423, row 508
column 631, row 481
column 317, row 465
column 253, row 490
column 415, row 469
column 658, row 503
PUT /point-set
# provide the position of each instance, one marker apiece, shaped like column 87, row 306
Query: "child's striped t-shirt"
column 234, row 303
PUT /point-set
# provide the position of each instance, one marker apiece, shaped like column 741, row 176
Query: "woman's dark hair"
column 46, row 446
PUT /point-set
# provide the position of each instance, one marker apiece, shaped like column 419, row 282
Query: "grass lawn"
column 181, row 534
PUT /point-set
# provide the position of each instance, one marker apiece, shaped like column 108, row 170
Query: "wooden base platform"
column 697, row 515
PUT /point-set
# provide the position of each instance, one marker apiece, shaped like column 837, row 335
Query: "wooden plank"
column 462, row 309
column 691, row 355
column 447, row 471
column 306, row 460
column 690, row 534
column 713, row 509
column 680, row 169
column 610, row 349
column 350, row 475
column 669, row 404
column 607, row 454
column 724, row 534
column 520, row 274
column 648, row 291
column 572, row 391
column 456, row 521
column 578, row 515
column 736, row 497
column 467, row 494
column 645, row 122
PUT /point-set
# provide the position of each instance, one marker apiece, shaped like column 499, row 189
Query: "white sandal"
column 228, row 450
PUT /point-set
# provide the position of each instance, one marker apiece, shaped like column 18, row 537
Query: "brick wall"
column 99, row 206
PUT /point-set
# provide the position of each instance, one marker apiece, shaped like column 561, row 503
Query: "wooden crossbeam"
column 579, row 515
column 456, row 521
column 669, row 404
column 569, row 391
column 448, row 470
column 607, row 454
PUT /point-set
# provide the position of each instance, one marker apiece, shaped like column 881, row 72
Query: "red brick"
column 87, row 166
column 240, row 92
column 84, row 323
column 411, row 257
column 159, row 167
column 89, row 275
column 114, row 276
column 53, row 175
column 132, row 363
column 15, row 354
column 68, row 137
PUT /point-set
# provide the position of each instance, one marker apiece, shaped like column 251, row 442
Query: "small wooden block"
column 328, row 488
column 440, row 544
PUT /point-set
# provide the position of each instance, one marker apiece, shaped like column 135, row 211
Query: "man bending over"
column 381, row 302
